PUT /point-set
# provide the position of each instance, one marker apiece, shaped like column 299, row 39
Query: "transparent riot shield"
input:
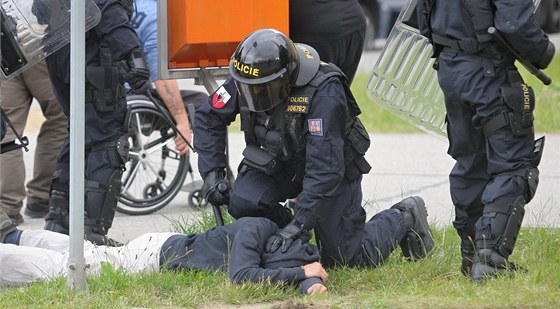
column 33, row 29
column 403, row 79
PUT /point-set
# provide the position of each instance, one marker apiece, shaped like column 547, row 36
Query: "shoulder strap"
column 327, row 71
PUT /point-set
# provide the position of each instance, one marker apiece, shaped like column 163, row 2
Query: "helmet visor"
column 264, row 96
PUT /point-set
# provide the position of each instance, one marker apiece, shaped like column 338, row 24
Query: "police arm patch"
column 315, row 126
column 220, row 97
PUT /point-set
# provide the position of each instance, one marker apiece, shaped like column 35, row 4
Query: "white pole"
column 76, row 261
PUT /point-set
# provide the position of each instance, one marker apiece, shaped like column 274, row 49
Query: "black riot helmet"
column 265, row 66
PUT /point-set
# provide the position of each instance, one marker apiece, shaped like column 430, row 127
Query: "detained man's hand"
column 317, row 288
column 315, row 269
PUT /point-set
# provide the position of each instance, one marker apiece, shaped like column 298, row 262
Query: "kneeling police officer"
column 303, row 141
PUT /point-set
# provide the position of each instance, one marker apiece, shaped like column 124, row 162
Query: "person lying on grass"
column 38, row 255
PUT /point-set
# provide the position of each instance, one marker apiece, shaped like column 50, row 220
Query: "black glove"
column 137, row 73
column 215, row 189
column 285, row 237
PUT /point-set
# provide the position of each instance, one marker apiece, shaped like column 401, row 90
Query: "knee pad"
column 528, row 183
column 499, row 226
column 532, row 178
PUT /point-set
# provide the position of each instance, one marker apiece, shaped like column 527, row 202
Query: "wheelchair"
column 155, row 172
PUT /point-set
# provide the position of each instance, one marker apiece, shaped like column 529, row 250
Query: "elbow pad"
column 137, row 73
column 546, row 57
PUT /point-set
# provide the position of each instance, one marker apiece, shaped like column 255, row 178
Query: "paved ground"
column 403, row 165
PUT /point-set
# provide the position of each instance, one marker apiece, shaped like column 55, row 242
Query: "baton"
column 545, row 79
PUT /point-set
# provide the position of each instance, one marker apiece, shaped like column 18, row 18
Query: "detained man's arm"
column 315, row 276
column 169, row 92
column 249, row 262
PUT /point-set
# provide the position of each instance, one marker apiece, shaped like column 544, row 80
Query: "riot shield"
column 33, row 29
column 403, row 79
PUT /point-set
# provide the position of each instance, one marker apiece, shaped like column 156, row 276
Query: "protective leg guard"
column 418, row 241
column 103, row 189
column 496, row 235
column 57, row 219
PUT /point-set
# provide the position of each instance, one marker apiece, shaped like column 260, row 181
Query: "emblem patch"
column 315, row 126
column 220, row 97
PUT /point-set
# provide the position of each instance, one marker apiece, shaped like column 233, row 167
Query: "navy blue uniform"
column 239, row 247
column 103, row 126
column 326, row 200
column 496, row 167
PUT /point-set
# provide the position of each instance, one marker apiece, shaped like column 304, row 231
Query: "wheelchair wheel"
column 155, row 171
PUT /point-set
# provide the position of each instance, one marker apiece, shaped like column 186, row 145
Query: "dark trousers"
column 482, row 172
column 341, row 231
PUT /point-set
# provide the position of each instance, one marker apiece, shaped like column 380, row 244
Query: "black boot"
column 418, row 240
column 93, row 234
column 489, row 263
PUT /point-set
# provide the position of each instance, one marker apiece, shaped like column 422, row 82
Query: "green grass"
column 547, row 111
column 432, row 283
column 435, row 282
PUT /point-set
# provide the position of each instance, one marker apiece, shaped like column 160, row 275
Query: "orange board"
column 205, row 33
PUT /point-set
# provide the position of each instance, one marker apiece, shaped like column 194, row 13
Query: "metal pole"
column 76, row 260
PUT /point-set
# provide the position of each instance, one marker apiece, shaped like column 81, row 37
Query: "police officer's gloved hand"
column 284, row 237
column 547, row 57
column 215, row 189
column 137, row 73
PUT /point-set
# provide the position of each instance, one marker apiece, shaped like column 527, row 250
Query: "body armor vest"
column 280, row 132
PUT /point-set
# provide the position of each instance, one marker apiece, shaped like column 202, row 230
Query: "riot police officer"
column 112, row 56
column 490, row 120
column 304, row 141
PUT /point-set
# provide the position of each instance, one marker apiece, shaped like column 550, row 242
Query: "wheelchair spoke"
column 157, row 147
column 138, row 130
